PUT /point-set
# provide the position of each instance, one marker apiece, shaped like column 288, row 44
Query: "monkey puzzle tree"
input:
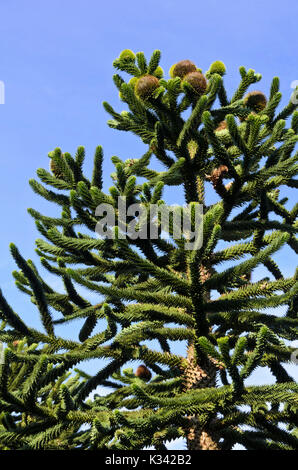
column 209, row 297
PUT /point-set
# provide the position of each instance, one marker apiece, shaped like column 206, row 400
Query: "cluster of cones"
column 185, row 69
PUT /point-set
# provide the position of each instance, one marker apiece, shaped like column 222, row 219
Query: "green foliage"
column 145, row 290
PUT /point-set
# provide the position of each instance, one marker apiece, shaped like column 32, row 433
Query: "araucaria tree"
column 210, row 297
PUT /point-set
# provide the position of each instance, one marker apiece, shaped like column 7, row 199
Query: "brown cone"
column 255, row 100
column 145, row 86
column 197, row 81
column 217, row 174
column 216, row 178
column 183, row 67
column 143, row 373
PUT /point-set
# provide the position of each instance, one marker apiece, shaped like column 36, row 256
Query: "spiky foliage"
column 217, row 67
column 156, row 289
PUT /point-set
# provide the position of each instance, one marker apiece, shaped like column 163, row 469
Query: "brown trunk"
column 196, row 376
column 200, row 376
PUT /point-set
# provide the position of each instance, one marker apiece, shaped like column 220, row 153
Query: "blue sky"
column 56, row 62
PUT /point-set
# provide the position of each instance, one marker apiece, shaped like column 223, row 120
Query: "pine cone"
column 143, row 373
column 197, row 81
column 216, row 178
column 182, row 68
column 255, row 100
column 218, row 174
column 145, row 86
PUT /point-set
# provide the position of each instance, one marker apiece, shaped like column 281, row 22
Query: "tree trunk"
column 196, row 376
column 200, row 376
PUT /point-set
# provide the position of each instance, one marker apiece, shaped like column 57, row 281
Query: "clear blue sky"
column 56, row 62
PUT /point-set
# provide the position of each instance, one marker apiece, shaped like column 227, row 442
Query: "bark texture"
column 196, row 376
column 200, row 376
